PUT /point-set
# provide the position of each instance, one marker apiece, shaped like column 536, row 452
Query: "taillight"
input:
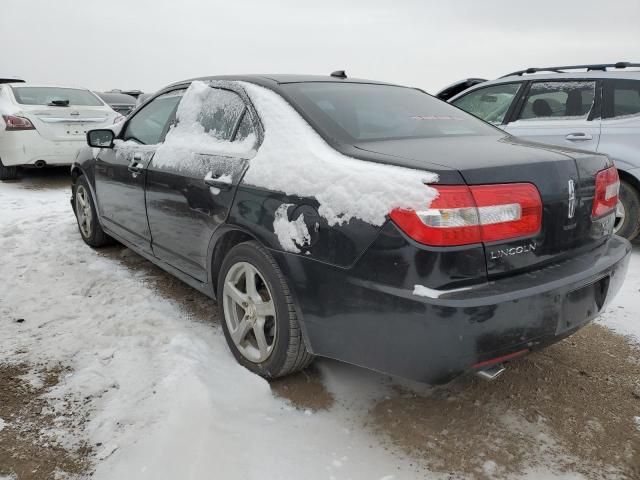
column 14, row 123
column 606, row 197
column 462, row 215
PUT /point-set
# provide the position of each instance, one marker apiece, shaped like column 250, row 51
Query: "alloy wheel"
column 621, row 214
column 249, row 312
column 83, row 211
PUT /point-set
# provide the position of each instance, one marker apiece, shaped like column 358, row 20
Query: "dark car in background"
column 591, row 107
column 514, row 254
column 120, row 102
column 8, row 79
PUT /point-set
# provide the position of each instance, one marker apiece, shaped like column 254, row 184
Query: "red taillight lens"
column 14, row 122
column 606, row 197
column 508, row 211
column 462, row 215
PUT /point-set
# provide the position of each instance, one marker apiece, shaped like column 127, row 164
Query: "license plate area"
column 76, row 129
column 582, row 304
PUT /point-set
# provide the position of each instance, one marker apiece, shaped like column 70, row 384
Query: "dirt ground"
column 26, row 451
column 572, row 407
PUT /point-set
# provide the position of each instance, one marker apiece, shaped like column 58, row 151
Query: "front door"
column 191, row 185
column 121, row 171
column 559, row 113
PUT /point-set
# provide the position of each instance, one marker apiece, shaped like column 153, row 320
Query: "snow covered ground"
column 164, row 396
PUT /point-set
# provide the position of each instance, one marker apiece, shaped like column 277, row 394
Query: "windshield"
column 55, row 96
column 364, row 112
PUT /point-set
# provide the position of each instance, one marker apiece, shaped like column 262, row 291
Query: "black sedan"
column 356, row 220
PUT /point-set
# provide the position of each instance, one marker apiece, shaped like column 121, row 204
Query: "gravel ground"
column 569, row 409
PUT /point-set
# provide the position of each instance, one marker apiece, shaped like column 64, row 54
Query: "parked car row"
column 46, row 125
column 591, row 107
column 359, row 220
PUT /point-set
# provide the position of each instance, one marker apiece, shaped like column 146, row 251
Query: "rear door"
column 62, row 114
column 192, row 179
column 559, row 112
column 620, row 137
column 121, row 171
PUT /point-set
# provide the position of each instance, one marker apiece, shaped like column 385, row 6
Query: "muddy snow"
column 113, row 368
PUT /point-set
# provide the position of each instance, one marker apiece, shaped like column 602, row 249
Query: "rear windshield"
column 49, row 95
column 364, row 112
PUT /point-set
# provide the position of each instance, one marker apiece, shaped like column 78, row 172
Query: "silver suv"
column 592, row 107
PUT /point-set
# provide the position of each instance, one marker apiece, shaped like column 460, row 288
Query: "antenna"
column 339, row 74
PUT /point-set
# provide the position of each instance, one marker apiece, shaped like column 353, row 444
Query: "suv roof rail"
column 598, row 66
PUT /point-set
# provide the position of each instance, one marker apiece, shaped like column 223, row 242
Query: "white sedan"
column 46, row 125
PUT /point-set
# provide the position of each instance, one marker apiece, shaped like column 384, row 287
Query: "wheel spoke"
column 250, row 279
column 81, row 199
column 258, row 331
column 236, row 295
column 265, row 309
column 240, row 333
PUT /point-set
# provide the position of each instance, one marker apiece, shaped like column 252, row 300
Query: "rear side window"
column 148, row 125
column 245, row 128
column 621, row 98
column 220, row 112
column 490, row 103
column 557, row 100
column 366, row 112
column 55, row 96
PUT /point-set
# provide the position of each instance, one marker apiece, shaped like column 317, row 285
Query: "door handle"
column 222, row 182
column 135, row 167
column 579, row 136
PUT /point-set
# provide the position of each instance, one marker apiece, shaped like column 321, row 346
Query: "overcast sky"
column 147, row 44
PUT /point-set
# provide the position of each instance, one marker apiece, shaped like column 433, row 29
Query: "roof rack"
column 596, row 67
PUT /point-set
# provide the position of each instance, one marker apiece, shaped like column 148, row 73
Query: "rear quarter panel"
column 620, row 140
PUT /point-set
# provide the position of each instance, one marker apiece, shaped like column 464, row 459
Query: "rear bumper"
column 27, row 147
column 432, row 340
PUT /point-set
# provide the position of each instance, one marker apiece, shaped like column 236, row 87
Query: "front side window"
column 55, row 96
column 621, row 98
column 559, row 100
column 490, row 103
column 365, row 112
column 148, row 125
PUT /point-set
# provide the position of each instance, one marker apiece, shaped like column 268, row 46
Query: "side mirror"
column 100, row 138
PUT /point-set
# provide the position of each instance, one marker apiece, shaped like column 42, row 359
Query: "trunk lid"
column 567, row 227
column 61, row 113
column 67, row 123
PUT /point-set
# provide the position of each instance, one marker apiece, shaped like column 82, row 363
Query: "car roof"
column 630, row 74
column 280, row 79
column 595, row 75
column 42, row 85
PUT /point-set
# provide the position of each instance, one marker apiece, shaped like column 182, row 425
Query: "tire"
column 8, row 173
column 91, row 231
column 629, row 225
column 286, row 352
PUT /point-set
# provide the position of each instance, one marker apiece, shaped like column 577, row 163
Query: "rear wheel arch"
column 629, row 224
column 221, row 243
column 630, row 179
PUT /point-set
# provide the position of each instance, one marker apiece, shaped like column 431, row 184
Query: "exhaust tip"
column 491, row 373
column 40, row 164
